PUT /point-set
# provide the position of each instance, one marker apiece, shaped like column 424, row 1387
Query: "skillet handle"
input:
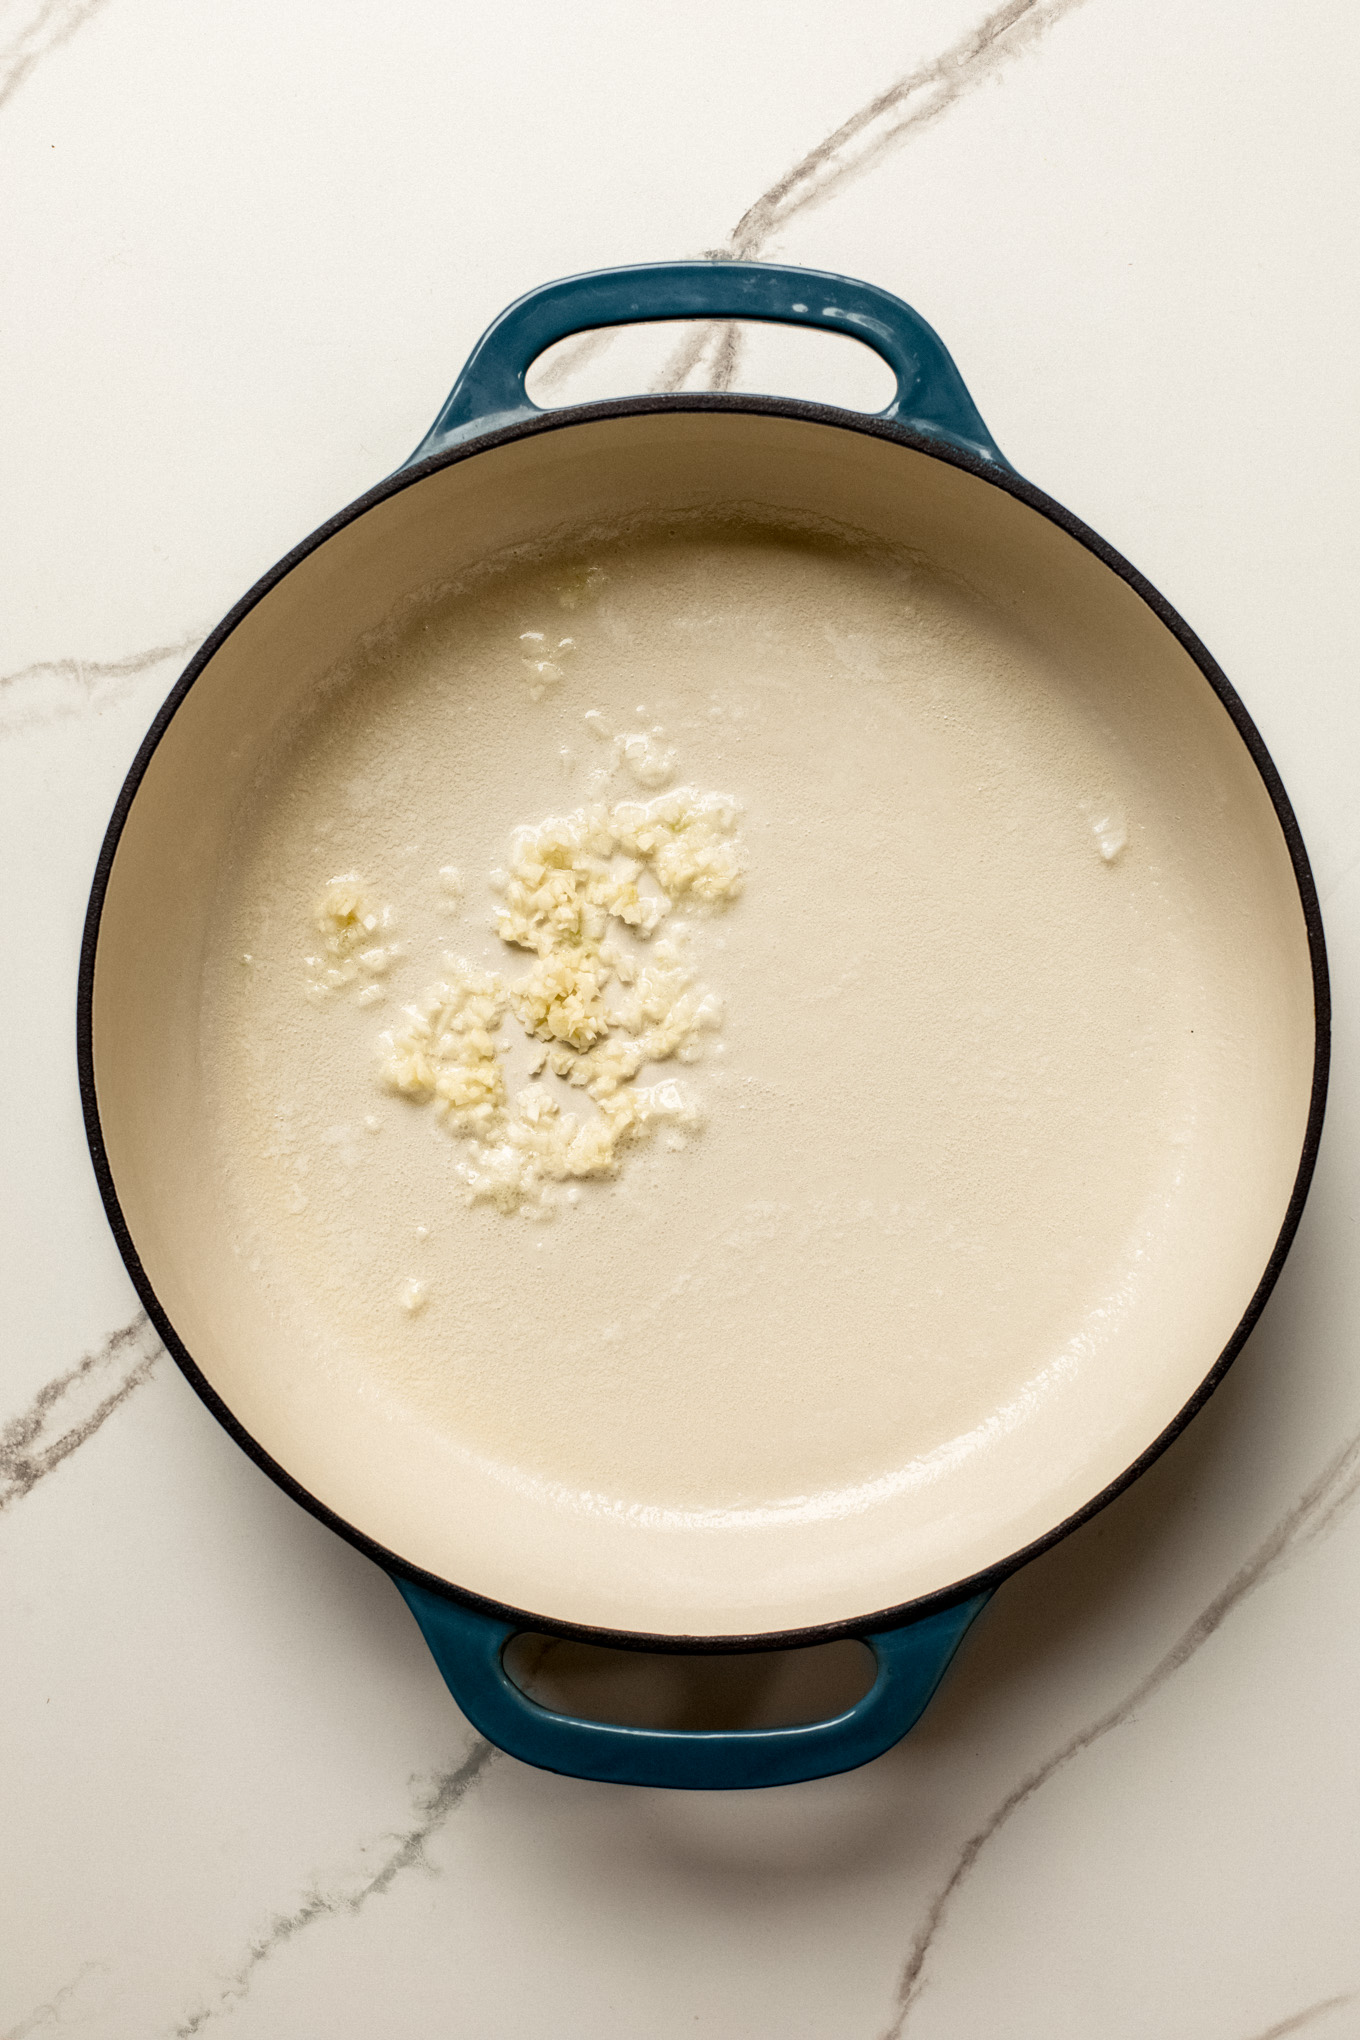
column 931, row 398
column 468, row 1648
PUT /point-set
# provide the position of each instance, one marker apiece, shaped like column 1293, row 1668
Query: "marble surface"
column 245, row 248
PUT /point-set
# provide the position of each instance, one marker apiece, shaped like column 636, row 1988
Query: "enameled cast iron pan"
column 478, row 1563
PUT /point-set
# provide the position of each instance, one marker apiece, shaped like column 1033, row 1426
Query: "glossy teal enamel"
column 469, row 1649
column 931, row 398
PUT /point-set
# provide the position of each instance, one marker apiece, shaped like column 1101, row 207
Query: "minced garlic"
column 348, row 925
column 542, row 1145
column 571, row 896
column 444, row 1053
column 561, row 1000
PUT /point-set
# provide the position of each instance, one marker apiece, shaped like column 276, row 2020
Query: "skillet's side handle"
column 930, row 399
column 469, row 1648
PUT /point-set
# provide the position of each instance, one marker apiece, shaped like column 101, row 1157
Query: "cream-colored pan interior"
column 1013, row 1083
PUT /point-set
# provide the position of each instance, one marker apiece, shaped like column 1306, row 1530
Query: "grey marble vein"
column 54, row 688
column 916, row 100
column 853, row 149
column 71, row 1408
column 720, row 341
column 46, row 2017
column 859, row 144
column 1316, row 1512
column 408, row 1851
column 54, row 23
column 1305, row 2018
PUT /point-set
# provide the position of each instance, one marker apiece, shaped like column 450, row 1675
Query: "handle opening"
column 807, row 362
column 663, row 1690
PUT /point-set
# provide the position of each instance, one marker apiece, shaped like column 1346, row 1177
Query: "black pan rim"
column 1023, row 491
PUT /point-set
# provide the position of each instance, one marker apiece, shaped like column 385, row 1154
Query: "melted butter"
column 943, row 1010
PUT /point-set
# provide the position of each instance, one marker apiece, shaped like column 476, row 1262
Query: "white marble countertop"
column 245, row 249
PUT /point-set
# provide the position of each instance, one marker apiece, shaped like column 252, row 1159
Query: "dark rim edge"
column 1035, row 499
